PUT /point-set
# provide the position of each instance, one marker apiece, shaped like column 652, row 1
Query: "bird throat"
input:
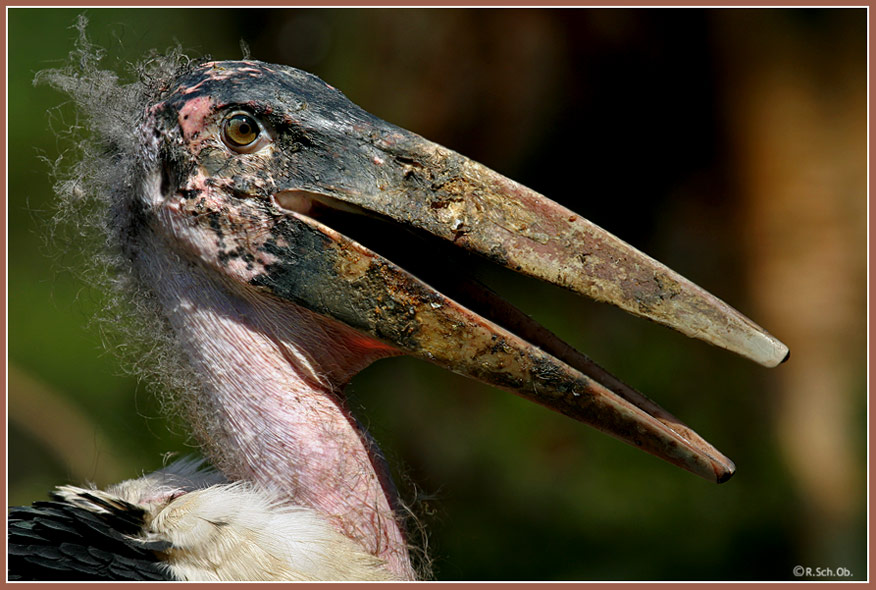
column 270, row 409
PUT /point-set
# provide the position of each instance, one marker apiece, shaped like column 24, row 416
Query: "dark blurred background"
column 729, row 144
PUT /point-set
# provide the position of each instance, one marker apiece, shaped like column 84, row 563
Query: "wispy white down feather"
column 233, row 531
column 238, row 532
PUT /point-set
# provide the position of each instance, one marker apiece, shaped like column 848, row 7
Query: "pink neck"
column 270, row 409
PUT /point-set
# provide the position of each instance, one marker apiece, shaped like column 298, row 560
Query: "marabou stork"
column 239, row 197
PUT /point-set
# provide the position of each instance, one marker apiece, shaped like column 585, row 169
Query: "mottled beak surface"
column 288, row 156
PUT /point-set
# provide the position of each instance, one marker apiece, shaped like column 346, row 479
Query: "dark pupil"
column 242, row 129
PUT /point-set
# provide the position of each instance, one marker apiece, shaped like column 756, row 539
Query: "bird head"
column 273, row 180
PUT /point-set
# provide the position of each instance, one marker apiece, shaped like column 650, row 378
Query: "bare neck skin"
column 270, row 409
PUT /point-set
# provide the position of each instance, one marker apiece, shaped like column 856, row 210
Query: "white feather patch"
column 238, row 532
column 233, row 531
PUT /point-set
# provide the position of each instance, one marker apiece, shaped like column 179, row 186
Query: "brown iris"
column 241, row 130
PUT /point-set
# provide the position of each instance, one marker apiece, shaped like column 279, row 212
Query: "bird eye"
column 241, row 132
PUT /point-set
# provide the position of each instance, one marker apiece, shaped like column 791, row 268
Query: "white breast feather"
column 237, row 532
column 234, row 531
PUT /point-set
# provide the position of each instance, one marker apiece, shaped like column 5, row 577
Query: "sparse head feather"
column 95, row 177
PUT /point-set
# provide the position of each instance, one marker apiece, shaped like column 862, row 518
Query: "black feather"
column 56, row 540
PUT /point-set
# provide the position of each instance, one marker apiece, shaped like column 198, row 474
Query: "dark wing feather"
column 58, row 540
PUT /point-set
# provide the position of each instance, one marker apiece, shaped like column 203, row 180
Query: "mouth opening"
column 454, row 272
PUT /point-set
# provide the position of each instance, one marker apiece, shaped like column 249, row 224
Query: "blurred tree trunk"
column 796, row 115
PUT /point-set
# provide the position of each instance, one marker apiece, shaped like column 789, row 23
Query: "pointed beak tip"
column 781, row 355
column 765, row 349
column 725, row 471
column 723, row 477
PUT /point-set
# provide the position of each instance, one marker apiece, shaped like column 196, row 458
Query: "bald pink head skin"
column 270, row 409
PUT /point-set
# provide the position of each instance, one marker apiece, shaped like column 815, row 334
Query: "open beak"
column 426, row 187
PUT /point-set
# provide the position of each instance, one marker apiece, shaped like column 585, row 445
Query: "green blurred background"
column 729, row 144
